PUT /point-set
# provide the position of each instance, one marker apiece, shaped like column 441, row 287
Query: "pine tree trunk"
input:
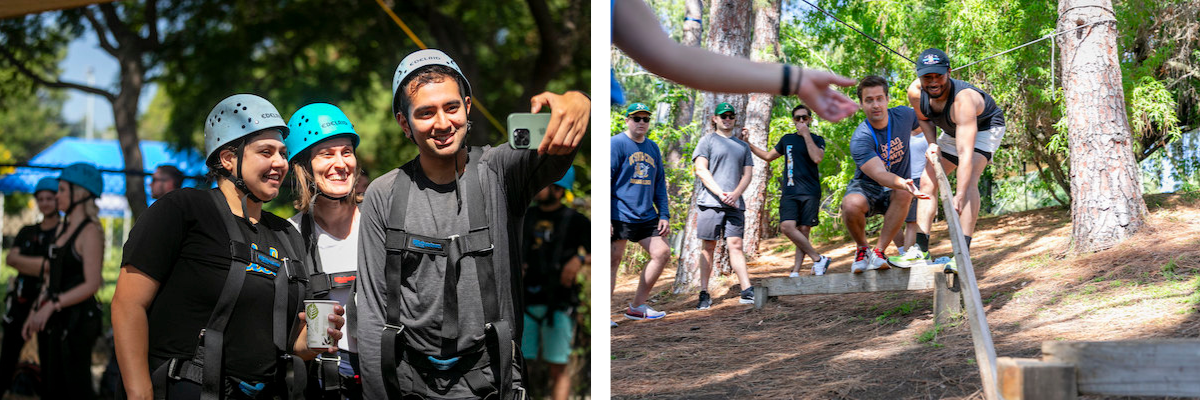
column 1106, row 189
column 758, row 121
column 730, row 35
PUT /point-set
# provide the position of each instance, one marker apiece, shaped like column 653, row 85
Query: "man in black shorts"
column 800, row 186
column 972, row 128
column 639, row 205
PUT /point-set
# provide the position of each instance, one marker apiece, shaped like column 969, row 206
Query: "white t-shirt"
column 917, row 146
column 337, row 255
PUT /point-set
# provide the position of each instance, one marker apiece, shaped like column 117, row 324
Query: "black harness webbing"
column 320, row 283
column 210, row 350
column 401, row 246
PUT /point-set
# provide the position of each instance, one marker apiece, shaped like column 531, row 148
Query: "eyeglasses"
column 640, row 119
column 728, row 116
column 801, row 118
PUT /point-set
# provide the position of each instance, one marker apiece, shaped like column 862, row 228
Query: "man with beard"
column 724, row 166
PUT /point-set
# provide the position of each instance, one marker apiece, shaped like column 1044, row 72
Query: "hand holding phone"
column 525, row 131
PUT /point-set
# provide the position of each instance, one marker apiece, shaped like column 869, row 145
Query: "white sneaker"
column 860, row 261
column 821, row 266
column 877, row 260
column 794, row 275
column 914, row 256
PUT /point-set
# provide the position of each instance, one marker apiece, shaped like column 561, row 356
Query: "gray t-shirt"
column 867, row 143
column 511, row 178
column 727, row 157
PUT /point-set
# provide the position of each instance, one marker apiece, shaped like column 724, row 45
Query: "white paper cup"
column 316, row 314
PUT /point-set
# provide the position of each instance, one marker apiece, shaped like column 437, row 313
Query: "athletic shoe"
column 914, row 256
column 747, row 296
column 794, row 275
column 614, row 324
column 705, row 301
column 860, row 261
column 643, row 312
column 877, row 260
column 821, row 266
column 949, row 266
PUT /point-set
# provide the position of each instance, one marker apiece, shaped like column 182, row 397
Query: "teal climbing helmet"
column 48, row 183
column 314, row 123
column 568, row 179
column 85, row 175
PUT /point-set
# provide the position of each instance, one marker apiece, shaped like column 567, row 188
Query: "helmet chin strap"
column 71, row 207
column 240, row 183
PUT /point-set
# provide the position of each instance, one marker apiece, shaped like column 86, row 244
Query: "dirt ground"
column 884, row 345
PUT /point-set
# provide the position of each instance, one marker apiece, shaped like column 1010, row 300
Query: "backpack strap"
column 395, row 242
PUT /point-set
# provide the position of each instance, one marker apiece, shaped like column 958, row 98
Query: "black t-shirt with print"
column 181, row 242
column 542, row 277
column 800, row 176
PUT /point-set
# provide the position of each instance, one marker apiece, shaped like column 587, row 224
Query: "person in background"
column 166, row 178
column 28, row 257
column 724, row 166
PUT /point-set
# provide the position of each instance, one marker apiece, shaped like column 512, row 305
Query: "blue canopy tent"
column 106, row 155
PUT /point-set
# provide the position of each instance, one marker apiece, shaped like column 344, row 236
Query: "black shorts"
column 878, row 197
column 953, row 159
column 634, row 231
column 802, row 209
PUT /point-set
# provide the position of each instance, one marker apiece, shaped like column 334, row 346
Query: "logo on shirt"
column 642, row 163
column 272, row 261
column 894, row 152
column 790, row 169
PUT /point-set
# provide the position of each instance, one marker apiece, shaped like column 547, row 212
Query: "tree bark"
column 758, row 121
column 1106, row 189
column 730, row 35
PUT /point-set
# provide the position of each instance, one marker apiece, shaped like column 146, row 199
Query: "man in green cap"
column 639, row 205
column 724, row 165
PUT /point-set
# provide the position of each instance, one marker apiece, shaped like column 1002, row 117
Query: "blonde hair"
column 303, row 184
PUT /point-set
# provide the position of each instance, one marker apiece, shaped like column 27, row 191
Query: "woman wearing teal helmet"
column 213, row 265
column 66, row 317
column 324, row 171
column 28, row 257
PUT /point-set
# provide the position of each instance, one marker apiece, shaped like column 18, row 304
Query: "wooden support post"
column 1033, row 379
column 760, row 295
column 1165, row 367
column 981, row 335
column 946, row 304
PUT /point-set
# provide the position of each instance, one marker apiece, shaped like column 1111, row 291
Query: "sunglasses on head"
column 801, row 118
column 640, row 119
column 728, row 116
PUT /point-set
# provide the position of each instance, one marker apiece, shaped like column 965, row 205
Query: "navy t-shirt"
column 800, row 176
column 867, row 143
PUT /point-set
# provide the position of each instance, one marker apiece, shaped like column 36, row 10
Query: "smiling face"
column 726, row 121
column 47, row 201
column 264, row 163
column 438, row 117
column 874, row 101
column 334, row 166
column 935, row 84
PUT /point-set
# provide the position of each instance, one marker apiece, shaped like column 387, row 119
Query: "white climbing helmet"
column 423, row 58
column 237, row 116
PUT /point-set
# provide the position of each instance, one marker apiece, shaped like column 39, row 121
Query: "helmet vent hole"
column 243, row 126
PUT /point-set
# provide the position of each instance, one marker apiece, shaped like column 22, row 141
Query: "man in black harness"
column 439, row 279
column 972, row 128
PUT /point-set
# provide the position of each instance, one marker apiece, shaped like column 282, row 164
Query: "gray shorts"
column 987, row 141
column 878, row 197
column 715, row 223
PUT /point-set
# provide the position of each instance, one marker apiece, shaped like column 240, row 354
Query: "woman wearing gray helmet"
column 28, row 257
column 66, row 317
column 211, row 264
column 325, row 172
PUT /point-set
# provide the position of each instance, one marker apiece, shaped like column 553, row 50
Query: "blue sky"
column 83, row 53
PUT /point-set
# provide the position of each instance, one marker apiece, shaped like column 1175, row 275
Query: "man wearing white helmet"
column 439, row 268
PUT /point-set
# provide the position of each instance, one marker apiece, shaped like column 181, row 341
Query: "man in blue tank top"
column 972, row 127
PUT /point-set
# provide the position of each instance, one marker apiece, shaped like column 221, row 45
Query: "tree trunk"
column 126, row 123
column 758, row 121
column 730, row 35
column 692, row 29
column 1106, row 189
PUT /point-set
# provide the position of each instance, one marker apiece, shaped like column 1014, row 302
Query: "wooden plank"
column 760, row 296
column 1165, row 367
column 12, row 8
column 946, row 304
column 981, row 335
column 1033, row 379
column 895, row 279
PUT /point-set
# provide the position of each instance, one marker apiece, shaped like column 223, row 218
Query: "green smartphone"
column 525, row 130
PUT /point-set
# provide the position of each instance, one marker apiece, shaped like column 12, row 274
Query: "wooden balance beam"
column 947, row 301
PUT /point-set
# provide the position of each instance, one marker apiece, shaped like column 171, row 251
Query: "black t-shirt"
column 800, row 176
column 181, row 241
column 31, row 240
column 541, row 235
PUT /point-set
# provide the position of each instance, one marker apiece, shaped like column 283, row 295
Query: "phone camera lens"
column 521, row 136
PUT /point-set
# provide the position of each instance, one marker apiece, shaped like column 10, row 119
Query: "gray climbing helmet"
column 423, row 58
column 238, row 116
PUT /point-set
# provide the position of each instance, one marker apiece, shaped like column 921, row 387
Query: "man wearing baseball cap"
column 639, row 205
column 438, row 289
column 972, row 128
column 724, row 166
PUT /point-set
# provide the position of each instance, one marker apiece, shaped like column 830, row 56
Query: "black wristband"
column 786, row 87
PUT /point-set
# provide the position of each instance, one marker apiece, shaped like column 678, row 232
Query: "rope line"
column 1033, row 41
column 413, row 36
column 859, row 32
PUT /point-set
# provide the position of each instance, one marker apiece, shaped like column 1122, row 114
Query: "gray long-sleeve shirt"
column 510, row 179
